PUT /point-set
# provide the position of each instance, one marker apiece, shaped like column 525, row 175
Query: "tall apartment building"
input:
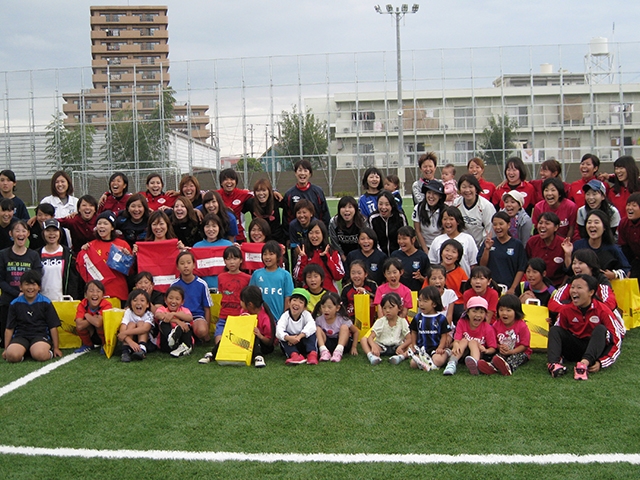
column 130, row 64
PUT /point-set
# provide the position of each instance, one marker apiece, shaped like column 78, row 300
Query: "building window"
column 364, row 155
column 112, row 17
column 569, row 149
column 148, row 46
column 621, row 112
column 148, row 75
column 111, row 32
column 464, row 118
column 464, row 151
column 147, row 17
column 519, row 113
column 116, row 104
column 365, row 120
column 149, row 103
column 149, row 88
column 147, row 32
column 572, row 110
column 113, row 60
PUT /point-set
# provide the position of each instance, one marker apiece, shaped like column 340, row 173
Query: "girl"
column 474, row 338
column 185, row 222
column 59, row 273
column 437, row 277
column 212, row 203
column 61, row 196
column 14, row 261
column 372, row 184
column 212, row 227
column 115, row 200
column 595, row 198
column 481, row 285
column 345, row 226
column 386, row 221
column 600, row 240
column 429, row 331
column 369, row 253
column 555, row 201
column 82, row 225
column 475, row 167
column 515, row 179
column 476, row 210
column 537, row 285
column 132, row 221
column 548, row 246
column 520, row 224
column 296, row 331
column 589, row 166
column 156, row 198
column 452, row 225
column 275, row 283
column 359, row 284
column 334, row 330
column 264, row 206
column 505, row 256
column 450, row 255
column 390, row 334
column 144, row 281
column 259, row 231
column 175, row 335
column 548, row 169
column 415, row 263
column 392, row 273
column 196, row 295
column 105, row 237
column 234, row 197
column 626, row 180
column 316, row 249
column 513, row 338
column 427, row 164
column 135, row 327
column 427, row 215
column 7, row 187
column 89, row 324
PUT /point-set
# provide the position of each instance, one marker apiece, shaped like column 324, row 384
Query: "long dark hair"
column 425, row 212
column 137, row 197
column 633, row 174
column 154, row 217
column 607, row 234
column 337, row 301
column 358, row 219
column 266, row 210
column 308, row 247
column 223, row 211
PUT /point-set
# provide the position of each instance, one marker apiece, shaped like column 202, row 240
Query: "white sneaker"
column 181, row 351
column 208, row 358
column 174, row 336
column 259, row 362
column 451, row 368
column 396, row 359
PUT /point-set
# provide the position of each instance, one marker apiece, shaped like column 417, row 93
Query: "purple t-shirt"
column 332, row 329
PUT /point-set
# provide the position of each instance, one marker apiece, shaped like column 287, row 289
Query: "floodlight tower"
column 399, row 13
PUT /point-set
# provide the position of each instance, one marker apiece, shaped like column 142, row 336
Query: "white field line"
column 321, row 457
column 50, row 367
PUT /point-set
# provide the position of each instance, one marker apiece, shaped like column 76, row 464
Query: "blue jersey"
column 429, row 329
column 196, row 296
column 275, row 286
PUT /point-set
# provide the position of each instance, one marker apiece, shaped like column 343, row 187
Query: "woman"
column 626, row 180
column 452, row 225
column 386, row 221
column 475, row 167
column 345, row 226
column 82, row 225
column 212, row 203
column 520, row 226
column 264, row 205
column 427, row 215
column 589, row 165
column 132, row 221
column 61, row 196
column 156, row 198
column 476, row 210
column 595, row 198
column 556, row 201
column 115, row 200
column 427, row 164
column 548, row 169
column 190, row 188
column 159, row 228
column 259, row 231
column 372, row 184
column 515, row 179
column 185, row 222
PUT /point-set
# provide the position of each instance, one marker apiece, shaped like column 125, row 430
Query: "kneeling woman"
column 587, row 331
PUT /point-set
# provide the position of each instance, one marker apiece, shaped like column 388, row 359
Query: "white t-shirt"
column 52, row 269
column 130, row 317
column 469, row 247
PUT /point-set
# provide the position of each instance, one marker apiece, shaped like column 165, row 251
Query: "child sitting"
column 474, row 338
column 389, row 335
column 393, row 272
column 313, row 279
column 135, row 327
column 450, row 256
column 316, row 249
column 32, row 324
column 335, row 331
column 275, row 283
column 437, row 277
column 513, row 339
column 175, row 335
column 481, row 286
column 450, row 184
column 392, row 184
column 252, row 304
column 536, row 284
column 144, row 281
column 296, row 331
column 89, row 317
column 359, row 284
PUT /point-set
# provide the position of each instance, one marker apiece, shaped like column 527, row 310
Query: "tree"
column 253, row 165
column 498, row 140
column 314, row 138
column 68, row 149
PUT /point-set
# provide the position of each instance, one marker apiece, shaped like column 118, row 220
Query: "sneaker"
column 486, row 367
column 501, row 364
column 102, row 350
column 208, row 358
column 472, row 365
column 259, row 362
column 580, row 371
column 295, row 359
column 396, row 359
column 337, row 356
column 312, row 358
column 84, row 348
column 451, row 368
column 182, row 350
column 374, row 359
column 426, row 359
column 174, row 336
column 325, row 356
column 556, row 369
column 140, row 355
column 417, row 360
column 126, row 356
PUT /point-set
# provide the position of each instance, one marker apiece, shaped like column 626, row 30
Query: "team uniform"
column 158, row 201
column 235, row 202
column 373, row 262
column 418, row 261
column 566, row 212
column 525, row 188
column 116, row 205
column 196, row 296
column 275, row 287
column 552, row 254
column 347, row 296
column 230, row 287
column 62, row 209
column 629, row 241
column 469, row 249
column 368, row 203
column 82, row 310
column 404, row 292
column 505, row 260
column 331, row 264
column 310, row 192
column 477, row 218
column 576, row 190
column 429, row 330
column 31, row 322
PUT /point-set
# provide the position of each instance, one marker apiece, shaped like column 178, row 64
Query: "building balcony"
column 129, row 62
column 127, row 34
column 125, row 20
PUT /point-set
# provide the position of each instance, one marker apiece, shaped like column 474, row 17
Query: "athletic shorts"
column 27, row 343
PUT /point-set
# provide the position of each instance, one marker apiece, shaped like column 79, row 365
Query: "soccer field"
column 171, row 418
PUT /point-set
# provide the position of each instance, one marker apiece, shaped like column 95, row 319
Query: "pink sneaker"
column 486, row 368
column 580, row 371
column 312, row 358
column 472, row 365
column 325, row 356
column 295, row 359
column 501, row 364
column 337, row 356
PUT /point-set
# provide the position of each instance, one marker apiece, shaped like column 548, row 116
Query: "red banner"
column 209, row 260
column 252, row 256
column 159, row 259
column 91, row 266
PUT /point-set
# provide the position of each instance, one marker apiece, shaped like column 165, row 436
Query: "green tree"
column 148, row 138
column 296, row 125
column 253, row 165
column 68, row 149
column 498, row 138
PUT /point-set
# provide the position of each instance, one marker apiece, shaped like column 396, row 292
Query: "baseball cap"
column 596, row 185
column 434, row 186
column 516, row 195
column 52, row 222
column 301, row 292
column 477, row 302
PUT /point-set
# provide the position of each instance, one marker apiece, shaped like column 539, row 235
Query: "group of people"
column 475, row 252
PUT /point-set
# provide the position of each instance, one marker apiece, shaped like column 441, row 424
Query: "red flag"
column 209, row 260
column 252, row 256
column 91, row 266
column 159, row 259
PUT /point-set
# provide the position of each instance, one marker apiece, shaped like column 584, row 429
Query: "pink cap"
column 477, row 302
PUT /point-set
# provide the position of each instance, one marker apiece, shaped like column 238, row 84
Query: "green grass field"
column 169, row 404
